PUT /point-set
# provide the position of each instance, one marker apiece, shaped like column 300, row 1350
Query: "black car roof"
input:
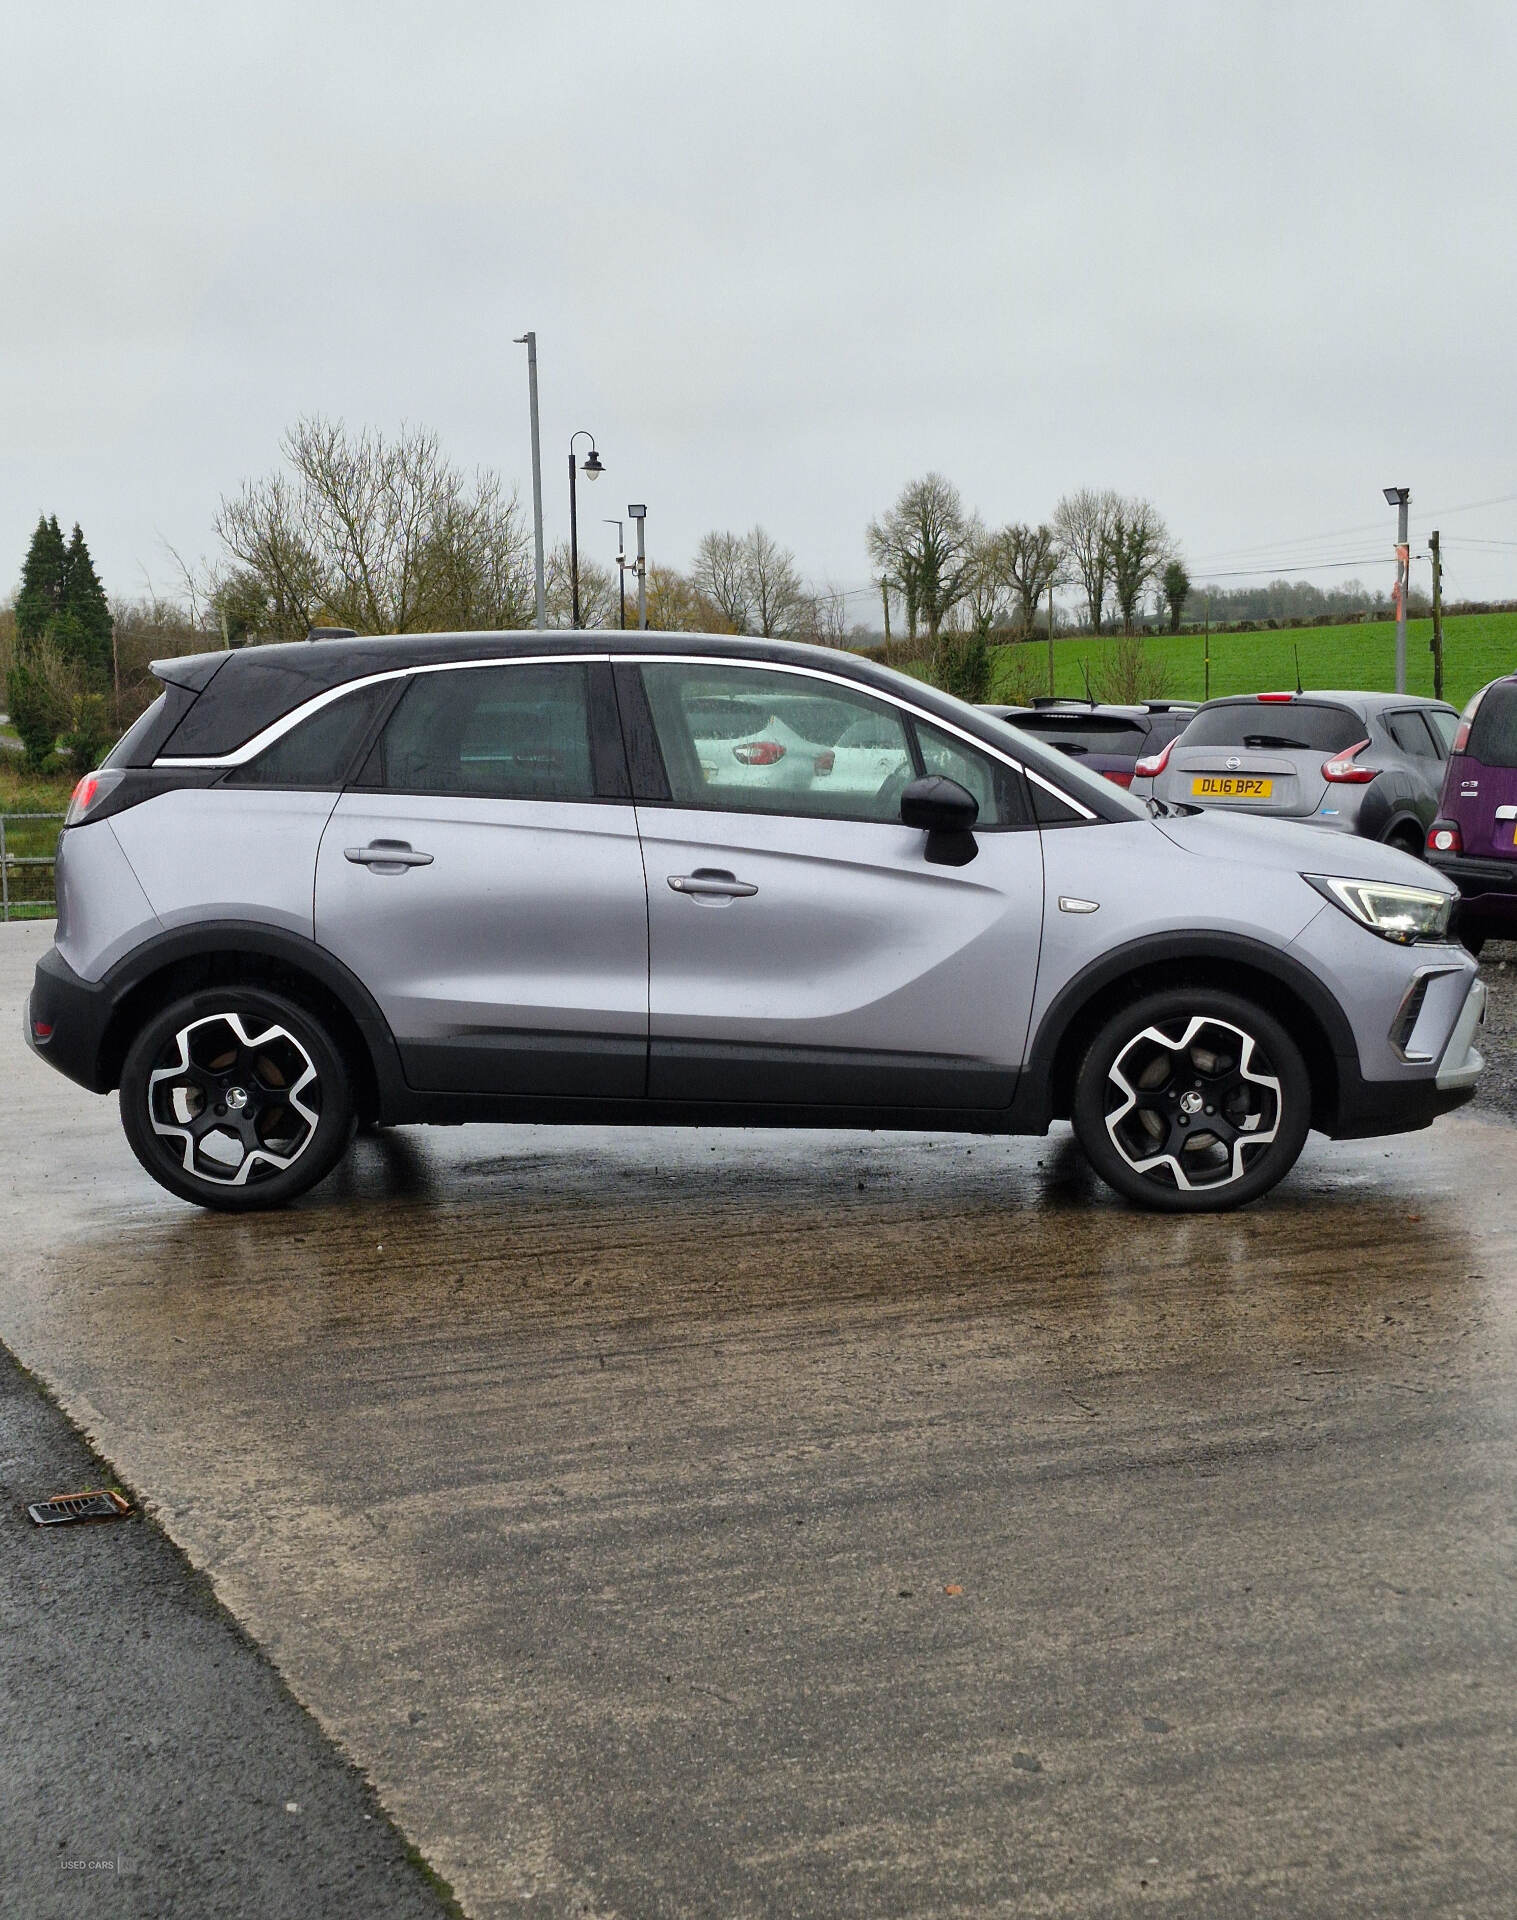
column 251, row 687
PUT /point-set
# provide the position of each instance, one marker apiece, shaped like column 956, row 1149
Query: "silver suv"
column 667, row 879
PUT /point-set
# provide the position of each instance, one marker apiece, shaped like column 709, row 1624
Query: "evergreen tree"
column 43, row 578
column 84, row 599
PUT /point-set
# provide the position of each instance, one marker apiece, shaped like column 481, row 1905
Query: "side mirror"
column 937, row 804
column 946, row 812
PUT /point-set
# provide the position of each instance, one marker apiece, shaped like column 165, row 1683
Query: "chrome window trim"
column 277, row 729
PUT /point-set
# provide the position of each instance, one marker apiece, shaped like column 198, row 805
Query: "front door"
column 804, row 951
column 484, row 881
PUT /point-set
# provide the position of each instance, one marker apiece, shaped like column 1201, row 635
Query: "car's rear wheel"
column 236, row 1098
column 1192, row 1101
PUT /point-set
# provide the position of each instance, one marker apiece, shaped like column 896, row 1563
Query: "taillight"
column 1152, row 764
column 1461, row 737
column 89, row 792
column 759, row 753
column 1345, row 769
column 825, row 761
column 1443, row 836
column 1117, row 777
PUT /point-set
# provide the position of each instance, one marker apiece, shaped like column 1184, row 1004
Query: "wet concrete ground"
column 738, row 1525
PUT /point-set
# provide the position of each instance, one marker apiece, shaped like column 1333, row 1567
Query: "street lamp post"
column 529, row 341
column 1398, row 497
column 621, row 571
column 640, row 514
column 593, row 471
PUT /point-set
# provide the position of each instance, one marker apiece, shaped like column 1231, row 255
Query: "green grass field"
column 1476, row 648
column 30, row 889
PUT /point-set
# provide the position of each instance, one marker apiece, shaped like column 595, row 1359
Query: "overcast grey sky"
column 1252, row 260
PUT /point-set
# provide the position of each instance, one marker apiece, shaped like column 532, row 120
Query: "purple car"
column 1474, row 838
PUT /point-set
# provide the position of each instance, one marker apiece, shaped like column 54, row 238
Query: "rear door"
column 484, row 880
column 803, row 948
column 1483, row 779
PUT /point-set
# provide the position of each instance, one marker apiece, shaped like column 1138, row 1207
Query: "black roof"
column 247, row 689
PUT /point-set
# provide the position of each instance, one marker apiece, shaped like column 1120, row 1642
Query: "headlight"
column 1394, row 912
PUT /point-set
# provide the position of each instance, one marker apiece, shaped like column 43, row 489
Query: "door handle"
column 386, row 856
column 712, row 883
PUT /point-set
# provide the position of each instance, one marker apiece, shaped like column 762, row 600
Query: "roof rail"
column 333, row 633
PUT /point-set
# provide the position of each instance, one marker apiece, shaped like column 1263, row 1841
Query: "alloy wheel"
column 236, row 1102
column 1192, row 1102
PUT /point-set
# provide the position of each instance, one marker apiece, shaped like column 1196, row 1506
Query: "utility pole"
column 885, row 603
column 1050, row 640
column 1435, row 645
column 640, row 514
column 529, row 341
column 1399, row 498
column 1206, row 654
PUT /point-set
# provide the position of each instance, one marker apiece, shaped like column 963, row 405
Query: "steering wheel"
column 888, row 796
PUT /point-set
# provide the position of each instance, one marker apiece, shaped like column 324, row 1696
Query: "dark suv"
column 1109, row 740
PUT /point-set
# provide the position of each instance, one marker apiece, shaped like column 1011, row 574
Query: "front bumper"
column 1369, row 1108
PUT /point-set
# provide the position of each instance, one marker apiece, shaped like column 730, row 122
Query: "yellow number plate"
column 1230, row 786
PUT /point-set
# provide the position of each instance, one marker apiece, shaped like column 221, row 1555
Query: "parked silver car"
column 514, row 877
column 1365, row 763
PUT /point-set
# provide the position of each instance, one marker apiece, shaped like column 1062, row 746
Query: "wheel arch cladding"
column 220, row 965
column 1076, row 1017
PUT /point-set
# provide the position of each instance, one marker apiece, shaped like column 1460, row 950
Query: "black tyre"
column 236, row 1098
column 1192, row 1101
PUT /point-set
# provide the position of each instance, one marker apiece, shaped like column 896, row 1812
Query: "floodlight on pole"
column 621, row 570
column 1399, row 498
column 639, row 513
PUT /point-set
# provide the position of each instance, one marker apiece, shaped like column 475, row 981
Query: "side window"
column 745, row 739
column 1445, row 726
column 1411, row 735
column 497, row 733
column 319, row 751
column 997, row 787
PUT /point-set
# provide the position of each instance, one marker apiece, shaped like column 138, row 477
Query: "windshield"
column 1275, row 724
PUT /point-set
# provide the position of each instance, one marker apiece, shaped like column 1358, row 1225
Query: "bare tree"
column 927, row 546
column 721, row 575
column 598, row 603
column 383, row 535
column 822, row 617
column 1137, row 545
column 1029, row 561
column 1082, row 522
column 773, row 585
column 677, row 605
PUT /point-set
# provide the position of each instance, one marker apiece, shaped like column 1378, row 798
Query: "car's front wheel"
column 1191, row 1101
column 236, row 1098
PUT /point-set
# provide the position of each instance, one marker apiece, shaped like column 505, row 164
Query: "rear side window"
column 1493, row 732
column 1276, row 723
column 1444, row 725
column 498, row 733
column 1409, row 731
column 319, row 752
column 122, row 754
